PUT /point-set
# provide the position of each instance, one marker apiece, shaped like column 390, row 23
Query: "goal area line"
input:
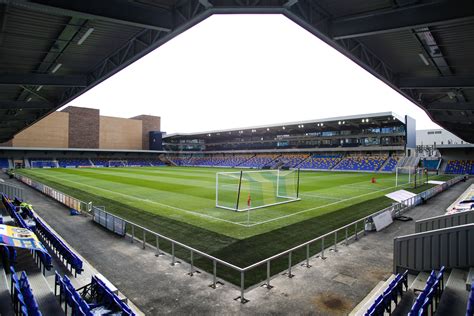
column 261, row 206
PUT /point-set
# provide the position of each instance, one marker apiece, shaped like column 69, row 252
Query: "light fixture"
column 283, row 127
column 29, row 99
column 423, row 58
column 56, row 68
column 85, row 36
column 39, row 88
column 268, row 129
column 339, row 122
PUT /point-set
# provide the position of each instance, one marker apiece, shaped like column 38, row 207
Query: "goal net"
column 247, row 190
column 410, row 175
column 44, row 164
column 118, row 163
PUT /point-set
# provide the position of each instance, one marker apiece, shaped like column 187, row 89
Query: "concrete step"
column 362, row 307
column 454, row 299
column 6, row 307
column 469, row 279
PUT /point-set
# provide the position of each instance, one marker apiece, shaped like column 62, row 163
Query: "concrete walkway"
column 330, row 287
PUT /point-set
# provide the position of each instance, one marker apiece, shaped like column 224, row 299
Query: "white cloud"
column 243, row 70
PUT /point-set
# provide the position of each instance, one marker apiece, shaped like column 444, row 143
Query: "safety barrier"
column 59, row 196
column 452, row 247
column 444, row 221
column 11, row 190
column 109, row 221
column 344, row 234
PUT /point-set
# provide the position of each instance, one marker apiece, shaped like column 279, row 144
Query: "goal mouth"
column 249, row 190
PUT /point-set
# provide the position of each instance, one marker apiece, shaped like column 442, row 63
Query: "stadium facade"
column 367, row 132
column 79, row 127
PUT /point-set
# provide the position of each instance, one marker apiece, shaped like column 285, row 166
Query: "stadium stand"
column 235, row 160
column 321, row 162
column 24, row 302
column 290, row 160
column 470, row 300
column 4, row 164
column 429, row 297
column 95, row 298
column 74, row 163
column 390, row 164
column 391, row 295
column 211, row 160
column 259, row 161
column 460, row 167
column 361, row 163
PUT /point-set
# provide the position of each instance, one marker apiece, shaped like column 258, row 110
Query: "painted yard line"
column 319, row 207
column 149, row 201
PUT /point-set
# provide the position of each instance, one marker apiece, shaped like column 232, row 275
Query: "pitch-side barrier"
column 328, row 241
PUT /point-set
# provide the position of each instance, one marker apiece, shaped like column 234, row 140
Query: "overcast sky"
column 242, row 70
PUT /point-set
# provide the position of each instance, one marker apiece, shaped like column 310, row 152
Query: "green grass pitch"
column 179, row 202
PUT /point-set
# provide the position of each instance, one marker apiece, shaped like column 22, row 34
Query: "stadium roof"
column 52, row 51
column 328, row 122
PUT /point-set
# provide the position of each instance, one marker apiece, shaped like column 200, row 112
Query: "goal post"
column 247, row 190
column 404, row 175
column 44, row 163
column 411, row 175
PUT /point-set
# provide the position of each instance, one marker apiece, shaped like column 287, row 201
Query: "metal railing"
column 11, row 190
column 352, row 231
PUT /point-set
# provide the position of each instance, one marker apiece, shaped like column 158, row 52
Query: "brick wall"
column 84, row 127
column 149, row 123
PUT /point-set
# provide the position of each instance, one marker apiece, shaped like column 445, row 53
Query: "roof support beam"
column 451, row 106
column 43, row 80
column 436, row 82
column 15, row 105
column 116, row 11
column 429, row 14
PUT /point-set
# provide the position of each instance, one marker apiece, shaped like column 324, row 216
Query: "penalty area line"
column 321, row 206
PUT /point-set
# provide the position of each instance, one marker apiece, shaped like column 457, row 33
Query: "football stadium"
column 346, row 215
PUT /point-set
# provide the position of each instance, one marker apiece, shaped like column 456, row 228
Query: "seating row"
column 19, row 214
column 24, row 302
column 470, row 301
column 63, row 251
column 96, row 298
column 394, row 291
column 428, row 299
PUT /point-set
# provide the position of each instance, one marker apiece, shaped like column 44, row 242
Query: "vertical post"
column 172, row 254
column 307, row 265
column 133, row 233
column 144, row 239
column 157, row 246
column 356, row 236
column 217, row 189
column 238, row 192
column 298, row 184
column 191, row 263
column 242, row 287
column 268, row 276
column 335, row 241
column 278, row 183
column 347, row 240
column 322, row 249
column 289, row 265
column 214, row 274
